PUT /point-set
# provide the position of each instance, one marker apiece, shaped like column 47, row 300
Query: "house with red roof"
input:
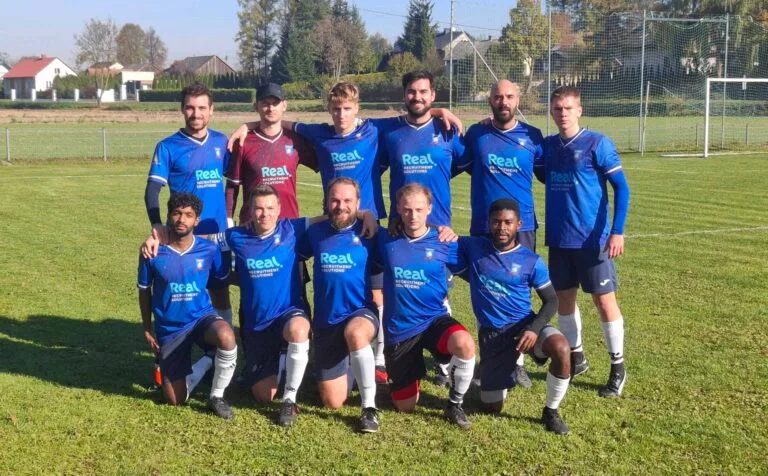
column 35, row 73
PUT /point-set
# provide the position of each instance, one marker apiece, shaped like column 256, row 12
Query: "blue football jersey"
column 426, row 154
column 500, row 282
column 270, row 282
column 353, row 155
column 178, row 281
column 415, row 281
column 501, row 164
column 186, row 164
column 340, row 271
column 576, row 197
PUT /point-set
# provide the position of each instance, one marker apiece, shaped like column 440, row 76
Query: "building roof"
column 190, row 64
column 141, row 67
column 28, row 67
column 106, row 65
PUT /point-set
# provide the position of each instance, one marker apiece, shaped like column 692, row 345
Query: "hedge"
column 219, row 95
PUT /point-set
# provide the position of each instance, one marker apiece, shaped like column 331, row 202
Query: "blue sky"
column 198, row 27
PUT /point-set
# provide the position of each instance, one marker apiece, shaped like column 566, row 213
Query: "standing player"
column 418, row 148
column 268, row 155
column 582, row 242
column 194, row 160
column 501, row 273
column 171, row 286
column 345, row 320
column 500, row 154
column 415, row 314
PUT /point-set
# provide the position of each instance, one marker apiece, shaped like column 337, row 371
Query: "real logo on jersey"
column 506, row 162
column 494, row 286
column 275, row 171
column 269, row 263
column 177, row 288
column 411, row 274
column 409, row 159
column 332, row 258
column 199, row 264
column 289, row 149
column 341, row 157
column 207, row 174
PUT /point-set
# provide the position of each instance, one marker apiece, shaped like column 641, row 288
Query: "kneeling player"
column 172, row 286
column 501, row 275
column 415, row 313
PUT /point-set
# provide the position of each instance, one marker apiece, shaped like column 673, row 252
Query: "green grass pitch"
column 74, row 365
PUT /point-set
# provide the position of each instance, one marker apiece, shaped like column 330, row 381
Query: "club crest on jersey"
column 430, row 253
column 521, row 142
column 289, row 149
column 577, row 154
column 358, row 135
column 277, row 239
column 515, row 269
column 218, row 152
column 436, row 139
column 355, row 240
column 199, row 264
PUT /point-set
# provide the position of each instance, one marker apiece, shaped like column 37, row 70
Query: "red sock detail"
column 442, row 343
column 408, row 392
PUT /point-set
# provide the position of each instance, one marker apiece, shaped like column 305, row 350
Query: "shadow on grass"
column 99, row 355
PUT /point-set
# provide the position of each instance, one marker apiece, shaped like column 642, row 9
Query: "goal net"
column 736, row 115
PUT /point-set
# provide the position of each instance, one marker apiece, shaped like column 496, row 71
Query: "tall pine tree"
column 419, row 32
column 294, row 59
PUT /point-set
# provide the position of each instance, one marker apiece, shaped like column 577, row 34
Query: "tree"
column 156, row 49
column 526, row 37
column 255, row 36
column 419, row 32
column 294, row 59
column 402, row 63
column 131, row 44
column 97, row 43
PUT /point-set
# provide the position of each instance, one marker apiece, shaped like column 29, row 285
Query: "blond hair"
column 343, row 91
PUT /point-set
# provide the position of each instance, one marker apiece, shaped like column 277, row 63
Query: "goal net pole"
column 707, row 97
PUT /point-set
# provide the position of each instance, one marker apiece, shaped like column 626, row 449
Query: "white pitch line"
column 645, row 169
column 700, row 232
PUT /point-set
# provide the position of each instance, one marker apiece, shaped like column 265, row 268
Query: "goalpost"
column 744, row 115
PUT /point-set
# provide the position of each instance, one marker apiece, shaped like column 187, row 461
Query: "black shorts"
column 405, row 360
column 331, row 351
column 263, row 348
column 498, row 354
column 591, row 268
column 176, row 355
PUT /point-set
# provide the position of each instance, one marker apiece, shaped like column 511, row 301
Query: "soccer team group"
column 380, row 294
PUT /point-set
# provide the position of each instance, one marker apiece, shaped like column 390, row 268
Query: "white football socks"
column 556, row 388
column 199, row 369
column 570, row 326
column 521, row 359
column 223, row 369
column 364, row 369
column 460, row 372
column 378, row 343
column 295, row 364
column 614, row 339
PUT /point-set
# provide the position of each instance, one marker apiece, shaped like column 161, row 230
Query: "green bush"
column 219, row 95
column 300, row 90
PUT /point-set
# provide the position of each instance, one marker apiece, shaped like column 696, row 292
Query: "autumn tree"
column 97, row 43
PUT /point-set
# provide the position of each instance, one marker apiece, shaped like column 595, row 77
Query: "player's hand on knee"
column 446, row 234
column 526, row 342
column 238, row 136
column 615, row 246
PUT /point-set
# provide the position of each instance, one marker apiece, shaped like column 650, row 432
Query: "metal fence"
column 37, row 143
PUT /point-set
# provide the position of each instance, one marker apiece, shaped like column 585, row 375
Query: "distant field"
column 132, row 134
column 74, row 367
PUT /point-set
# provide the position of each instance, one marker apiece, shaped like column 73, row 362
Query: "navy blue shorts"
column 176, row 355
column 405, row 360
column 590, row 268
column 331, row 351
column 376, row 281
column 498, row 353
column 263, row 348
column 527, row 239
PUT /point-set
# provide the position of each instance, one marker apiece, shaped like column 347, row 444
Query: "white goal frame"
column 707, row 99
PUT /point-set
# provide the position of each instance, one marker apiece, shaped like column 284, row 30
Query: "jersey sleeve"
column 538, row 145
column 377, row 251
column 234, row 164
column 144, row 280
column 304, row 245
column 463, row 162
column 161, row 165
column 300, row 226
column 607, row 157
column 462, row 263
column 311, row 132
column 307, row 156
column 453, row 258
column 220, row 265
column 540, row 276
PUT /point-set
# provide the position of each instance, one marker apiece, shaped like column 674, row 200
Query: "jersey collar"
column 413, row 240
column 419, row 126
column 504, row 131
column 570, row 141
column 195, row 140
column 517, row 247
column 346, row 228
column 182, row 253
column 258, row 133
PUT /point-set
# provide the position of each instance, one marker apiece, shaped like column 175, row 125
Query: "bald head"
column 504, row 99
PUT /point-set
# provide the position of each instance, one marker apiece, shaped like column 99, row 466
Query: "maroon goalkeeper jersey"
column 269, row 161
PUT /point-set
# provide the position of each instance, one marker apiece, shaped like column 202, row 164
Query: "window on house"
column 57, row 71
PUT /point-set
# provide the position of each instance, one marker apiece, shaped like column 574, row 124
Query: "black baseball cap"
column 270, row 89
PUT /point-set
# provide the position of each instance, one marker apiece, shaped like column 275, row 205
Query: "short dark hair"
column 565, row 92
column 262, row 190
column 412, row 76
column 194, row 90
column 504, row 204
column 183, row 200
